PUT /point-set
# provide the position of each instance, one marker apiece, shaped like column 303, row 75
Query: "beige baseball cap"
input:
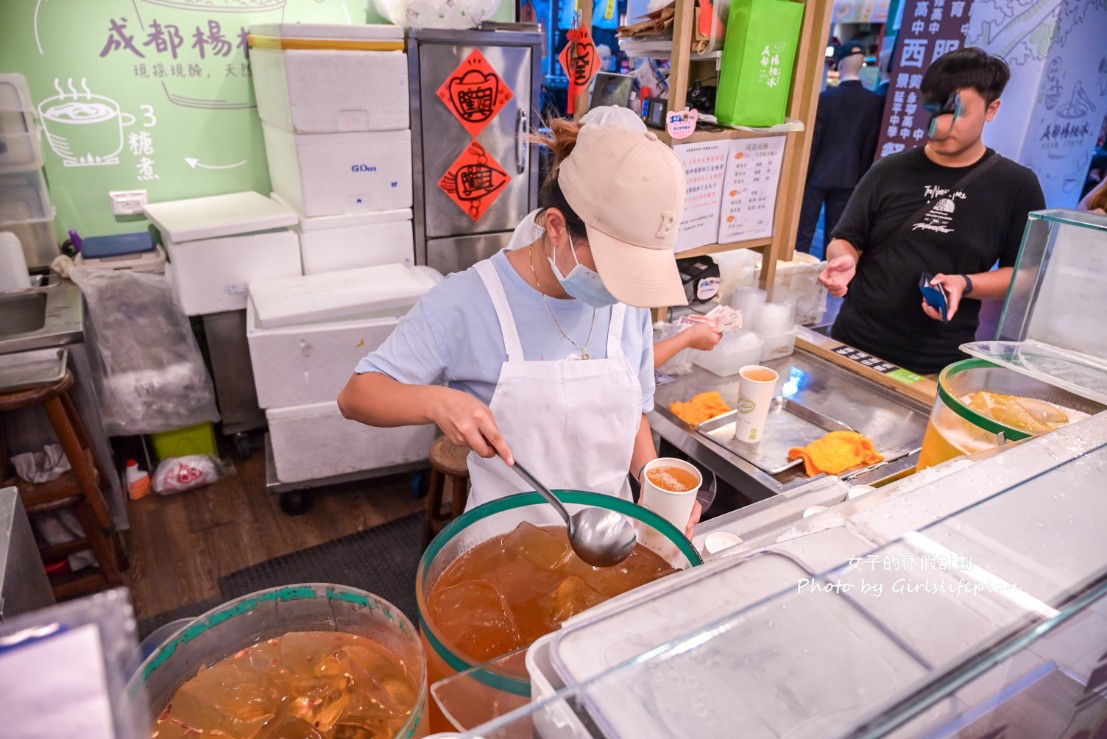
column 628, row 188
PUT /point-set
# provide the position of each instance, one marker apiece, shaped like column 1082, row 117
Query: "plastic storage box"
column 313, row 442
column 335, row 243
column 25, row 210
column 218, row 245
column 796, row 282
column 330, row 78
column 20, row 138
column 329, row 174
column 198, row 439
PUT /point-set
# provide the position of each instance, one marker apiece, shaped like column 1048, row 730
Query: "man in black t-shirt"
column 969, row 222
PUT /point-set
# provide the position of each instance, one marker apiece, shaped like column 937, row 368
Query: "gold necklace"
column 582, row 349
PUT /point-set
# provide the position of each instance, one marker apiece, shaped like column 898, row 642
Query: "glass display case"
column 986, row 620
column 1052, row 325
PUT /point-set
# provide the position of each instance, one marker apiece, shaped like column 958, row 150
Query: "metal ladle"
column 600, row 537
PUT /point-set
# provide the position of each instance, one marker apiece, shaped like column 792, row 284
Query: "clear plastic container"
column 735, row 350
column 20, row 138
column 779, row 345
column 25, row 210
column 251, row 619
column 495, row 519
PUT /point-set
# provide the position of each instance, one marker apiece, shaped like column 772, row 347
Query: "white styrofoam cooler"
column 217, row 245
column 352, row 240
column 312, row 442
column 331, row 80
column 368, row 292
column 298, row 362
column 329, row 174
column 298, row 365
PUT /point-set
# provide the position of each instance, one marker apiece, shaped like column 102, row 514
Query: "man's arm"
column 841, row 266
column 985, row 286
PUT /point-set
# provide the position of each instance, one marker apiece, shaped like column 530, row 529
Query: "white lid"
column 331, row 296
column 352, row 31
column 345, row 220
column 218, row 215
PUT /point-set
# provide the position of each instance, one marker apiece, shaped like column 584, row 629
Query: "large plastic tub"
column 25, row 211
column 266, row 614
column 955, row 428
column 494, row 519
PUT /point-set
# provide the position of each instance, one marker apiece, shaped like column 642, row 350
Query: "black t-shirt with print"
column 966, row 231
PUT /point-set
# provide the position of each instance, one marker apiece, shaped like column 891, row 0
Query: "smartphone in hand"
column 934, row 295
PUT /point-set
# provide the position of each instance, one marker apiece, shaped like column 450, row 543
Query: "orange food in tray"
column 700, row 408
column 836, row 452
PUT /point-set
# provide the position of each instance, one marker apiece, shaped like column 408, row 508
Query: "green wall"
column 157, row 90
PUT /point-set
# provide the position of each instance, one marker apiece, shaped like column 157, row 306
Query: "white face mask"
column 582, row 283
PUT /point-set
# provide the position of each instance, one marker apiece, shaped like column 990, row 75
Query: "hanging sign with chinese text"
column 475, row 93
column 474, row 180
column 580, row 62
column 930, row 28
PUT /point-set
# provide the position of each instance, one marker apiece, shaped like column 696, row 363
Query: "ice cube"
column 571, row 597
column 289, row 727
column 475, row 618
column 545, row 547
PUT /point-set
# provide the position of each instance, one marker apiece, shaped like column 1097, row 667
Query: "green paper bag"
column 762, row 37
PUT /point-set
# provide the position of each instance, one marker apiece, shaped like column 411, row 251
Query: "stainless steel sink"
column 40, row 317
column 22, row 313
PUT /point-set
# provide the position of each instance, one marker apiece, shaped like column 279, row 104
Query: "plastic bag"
column 761, row 42
column 681, row 363
column 185, row 473
column 150, row 373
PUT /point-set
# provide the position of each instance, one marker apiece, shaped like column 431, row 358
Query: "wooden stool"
column 79, row 489
column 448, row 465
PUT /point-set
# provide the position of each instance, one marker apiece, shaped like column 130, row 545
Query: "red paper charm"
column 474, row 181
column 475, row 93
column 580, row 62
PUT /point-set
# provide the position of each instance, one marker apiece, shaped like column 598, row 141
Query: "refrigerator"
column 474, row 95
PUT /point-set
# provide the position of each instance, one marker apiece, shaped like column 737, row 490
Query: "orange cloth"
column 700, row 408
column 836, row 452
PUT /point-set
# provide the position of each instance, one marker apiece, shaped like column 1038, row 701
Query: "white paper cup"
column 754, row 397
column 674, row 507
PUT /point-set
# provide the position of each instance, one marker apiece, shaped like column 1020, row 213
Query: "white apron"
column 572, row 423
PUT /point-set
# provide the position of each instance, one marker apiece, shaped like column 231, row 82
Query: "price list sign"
column 930, row 28
column 704, row 168
column 749, row 188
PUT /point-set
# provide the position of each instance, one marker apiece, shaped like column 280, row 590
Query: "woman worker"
column 541, row 353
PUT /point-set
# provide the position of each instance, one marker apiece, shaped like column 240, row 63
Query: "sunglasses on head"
column 952, row 105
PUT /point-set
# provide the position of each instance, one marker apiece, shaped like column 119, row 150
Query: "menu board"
column 749, row 188
column 704, row 168
column 930, row 28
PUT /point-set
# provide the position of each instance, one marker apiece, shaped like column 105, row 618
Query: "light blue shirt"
column 453, row 335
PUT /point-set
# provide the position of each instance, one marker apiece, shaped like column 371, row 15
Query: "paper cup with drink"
column 756, row 387
column 669, row 488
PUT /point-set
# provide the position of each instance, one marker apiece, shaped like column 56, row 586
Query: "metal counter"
column 891, row 420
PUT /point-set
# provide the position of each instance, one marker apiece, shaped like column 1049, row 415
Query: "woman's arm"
column 697, row 336
column 378, row 400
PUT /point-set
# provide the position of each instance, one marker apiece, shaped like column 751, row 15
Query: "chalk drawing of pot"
column 83, row 129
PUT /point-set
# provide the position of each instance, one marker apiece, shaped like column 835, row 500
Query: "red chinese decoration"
column 475, row 93
column 580, row 61
column 474, row 181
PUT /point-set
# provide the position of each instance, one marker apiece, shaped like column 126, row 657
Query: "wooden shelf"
column 724, row 135
column 700, row 251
